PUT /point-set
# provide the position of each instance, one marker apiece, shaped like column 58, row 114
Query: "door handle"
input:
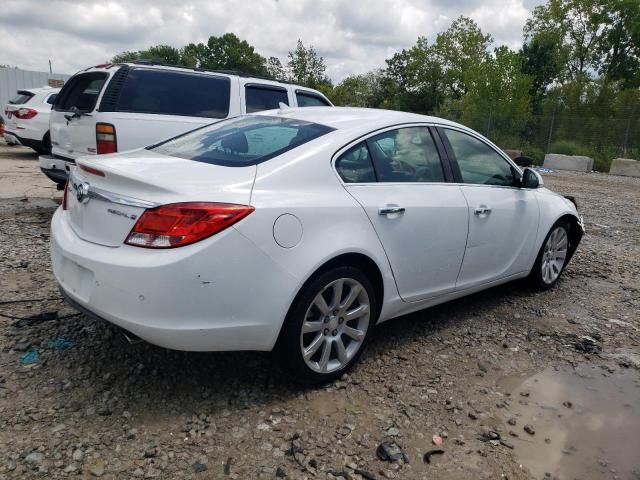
column 391, row 210
column 482, row 210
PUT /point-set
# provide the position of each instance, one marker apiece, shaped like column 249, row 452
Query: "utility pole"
column 50, row 70
column 553, row 119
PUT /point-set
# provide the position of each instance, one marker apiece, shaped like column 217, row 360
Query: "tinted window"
column 81, row 92
column 21, row 98
column 242, row 141
column 52, row 98
column 174, row 93
column 264, row 98
column 478, row 162
column 355, row 166
column 406, row 155
column 309, row 100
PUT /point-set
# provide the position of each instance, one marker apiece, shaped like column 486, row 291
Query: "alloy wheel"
column 335, row 325
column 554, row 255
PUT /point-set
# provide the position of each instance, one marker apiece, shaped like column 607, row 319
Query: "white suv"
column 27, row 117
column 117, row 107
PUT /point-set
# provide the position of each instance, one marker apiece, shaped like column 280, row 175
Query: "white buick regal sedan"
column 301, row 229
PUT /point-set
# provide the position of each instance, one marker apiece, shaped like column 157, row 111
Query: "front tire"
column 329, row 325
column 552, row 257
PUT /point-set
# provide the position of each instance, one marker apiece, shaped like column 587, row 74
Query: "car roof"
column 350, row 118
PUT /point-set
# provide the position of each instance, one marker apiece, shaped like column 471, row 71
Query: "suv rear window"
column 21, row 98
column 81, row 92
column 260, row 98
column 242, row 141
column 168, row 92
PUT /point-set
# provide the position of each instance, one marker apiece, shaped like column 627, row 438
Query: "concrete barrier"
column 575, row 163
column 625, row 166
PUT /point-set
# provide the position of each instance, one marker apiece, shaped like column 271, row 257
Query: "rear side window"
column 242, row 141
column 310, row 100
column 81, row 92
column 168, row 92
column 355, row 166
column 406, row 155
column 260, row 98
column 21, row 98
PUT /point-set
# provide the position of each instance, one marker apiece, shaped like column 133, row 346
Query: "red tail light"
column 106, row 141
column 25, row 113
column 179, row 224
column 64, row 195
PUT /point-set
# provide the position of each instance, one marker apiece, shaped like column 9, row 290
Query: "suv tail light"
column 25, row 113
column 179, row 224
column 106, row 138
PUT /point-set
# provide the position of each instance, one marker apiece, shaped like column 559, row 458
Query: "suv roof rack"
column 238, row 73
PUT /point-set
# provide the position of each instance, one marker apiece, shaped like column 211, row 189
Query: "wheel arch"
column 355, row 259
column 575, row 232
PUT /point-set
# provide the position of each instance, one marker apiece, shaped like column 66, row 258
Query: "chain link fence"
column 602, row 138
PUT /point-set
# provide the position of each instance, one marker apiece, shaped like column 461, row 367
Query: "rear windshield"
column 242, row 141
column 175, row 93
column 81, row 92
column 21, row 98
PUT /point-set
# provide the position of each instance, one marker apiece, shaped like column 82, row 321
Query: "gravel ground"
column 95, row 406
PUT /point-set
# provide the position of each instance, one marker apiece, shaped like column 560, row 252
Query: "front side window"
column 81, row 92
column 242, row 141
column 355, row 166
column 168, row 92
column 479, row 163
column 310, row 100
column 406, row 155
column 259, row 98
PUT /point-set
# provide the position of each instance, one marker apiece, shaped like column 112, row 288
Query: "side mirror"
column 531, row 179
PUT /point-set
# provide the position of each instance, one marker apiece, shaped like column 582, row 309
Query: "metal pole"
column 553, row 119
column 626, row 133
column 50, row 71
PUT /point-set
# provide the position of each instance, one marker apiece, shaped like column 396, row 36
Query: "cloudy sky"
column 353, row 35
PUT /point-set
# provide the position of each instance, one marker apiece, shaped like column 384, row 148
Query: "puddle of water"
column 596, row 436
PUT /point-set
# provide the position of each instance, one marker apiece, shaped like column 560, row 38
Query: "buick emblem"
column 82, row 192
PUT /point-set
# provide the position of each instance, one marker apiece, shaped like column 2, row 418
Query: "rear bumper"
column 219, row 294
column 55, row 168
column 13, row 137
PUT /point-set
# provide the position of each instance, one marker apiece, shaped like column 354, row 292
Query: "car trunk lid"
column 107, row 195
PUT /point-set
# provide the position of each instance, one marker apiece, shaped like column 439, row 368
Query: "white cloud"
column 353, row 36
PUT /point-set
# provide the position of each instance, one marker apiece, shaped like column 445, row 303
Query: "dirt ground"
column 518, row 384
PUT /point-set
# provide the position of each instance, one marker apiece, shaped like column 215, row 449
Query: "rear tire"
column 329, row 325
column 45, row 149
column 552, row 257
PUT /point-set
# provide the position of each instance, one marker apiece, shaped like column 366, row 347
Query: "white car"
column 27, row 118
column 113, row 108
column 301, row 229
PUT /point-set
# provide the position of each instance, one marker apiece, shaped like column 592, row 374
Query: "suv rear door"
column 72, row 117
column 148, row 104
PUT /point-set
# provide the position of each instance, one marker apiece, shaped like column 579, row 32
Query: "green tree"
column 159, row 53
column 542, row 62
column 228, row 52
column 575, row 28
column 365, row 90
column 497, row 100
column 307, row 67
column 620, row 45
column 275, row 69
